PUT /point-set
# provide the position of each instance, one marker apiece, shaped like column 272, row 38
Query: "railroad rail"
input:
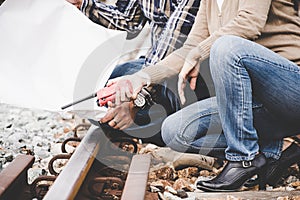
column 79, row 179
column 13, row 179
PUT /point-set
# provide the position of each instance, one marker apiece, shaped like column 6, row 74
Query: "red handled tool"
column 104, row 95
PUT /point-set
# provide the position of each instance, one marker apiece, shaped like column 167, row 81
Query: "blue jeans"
column 256, row 105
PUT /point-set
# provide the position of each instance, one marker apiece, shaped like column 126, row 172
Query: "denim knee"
column 227, row 47
column 170, row 133
column 226, row 44
column 173, row 134
column 181, row 130
column 225, row 52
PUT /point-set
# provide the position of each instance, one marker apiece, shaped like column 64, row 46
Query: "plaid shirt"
column 170, row 21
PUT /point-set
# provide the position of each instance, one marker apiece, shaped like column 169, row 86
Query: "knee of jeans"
column 168, row 130
column 176, row 135
column 225, row 49
column 225, row 44
column 171, row 135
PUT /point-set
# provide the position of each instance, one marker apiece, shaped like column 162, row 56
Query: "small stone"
column 291, row 179
column 281, row 189
column 42, row 115
column 2, row 152
column 295, row 184
column 12, row 139
column 283, row 198
column 269, row 188
column 8, row 157
column 288, row 188
column 41, row 153
column 170, row 196
column 205, row 173
column 161, row 184
column 44, row 162
column 67, row 115
column 165, row 173
column 148, row 148
column 154, row 189
column 193, row 180
column 170, row 189
column 66, row 130
column 52, row 125
column 33, row 173
column 161, row 196
column 203, row 178
column 183, row 184
column 182, row 194
column 188, row 172
column 63, row 136
column 37, row 141
column 2, row 161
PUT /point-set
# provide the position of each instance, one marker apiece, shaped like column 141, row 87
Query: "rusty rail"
column 70, row 179
column 13, row 179
column 137, row 178
column 83, row 178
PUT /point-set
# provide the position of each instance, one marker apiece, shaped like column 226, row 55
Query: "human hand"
column 128, row 87
column 121, row 116
column 190, row 70
column 76, row 3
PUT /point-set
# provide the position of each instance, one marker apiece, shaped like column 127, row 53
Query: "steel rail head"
column 13, row 179
column 137, row 178
column 71, row 178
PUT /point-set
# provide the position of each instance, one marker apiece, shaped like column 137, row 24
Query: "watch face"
column 139, row 101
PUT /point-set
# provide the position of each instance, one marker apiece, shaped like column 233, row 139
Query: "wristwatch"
column 143, row 99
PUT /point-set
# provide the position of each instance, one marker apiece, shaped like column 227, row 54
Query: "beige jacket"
column 273, row 24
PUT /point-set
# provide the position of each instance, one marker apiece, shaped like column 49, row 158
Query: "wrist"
column 145, row 78
column 134, row 109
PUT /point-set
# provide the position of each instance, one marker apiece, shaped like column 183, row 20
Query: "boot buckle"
column 246, row 164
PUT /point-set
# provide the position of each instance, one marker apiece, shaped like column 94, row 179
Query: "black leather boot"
column 276, row 168
column 235, row 174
